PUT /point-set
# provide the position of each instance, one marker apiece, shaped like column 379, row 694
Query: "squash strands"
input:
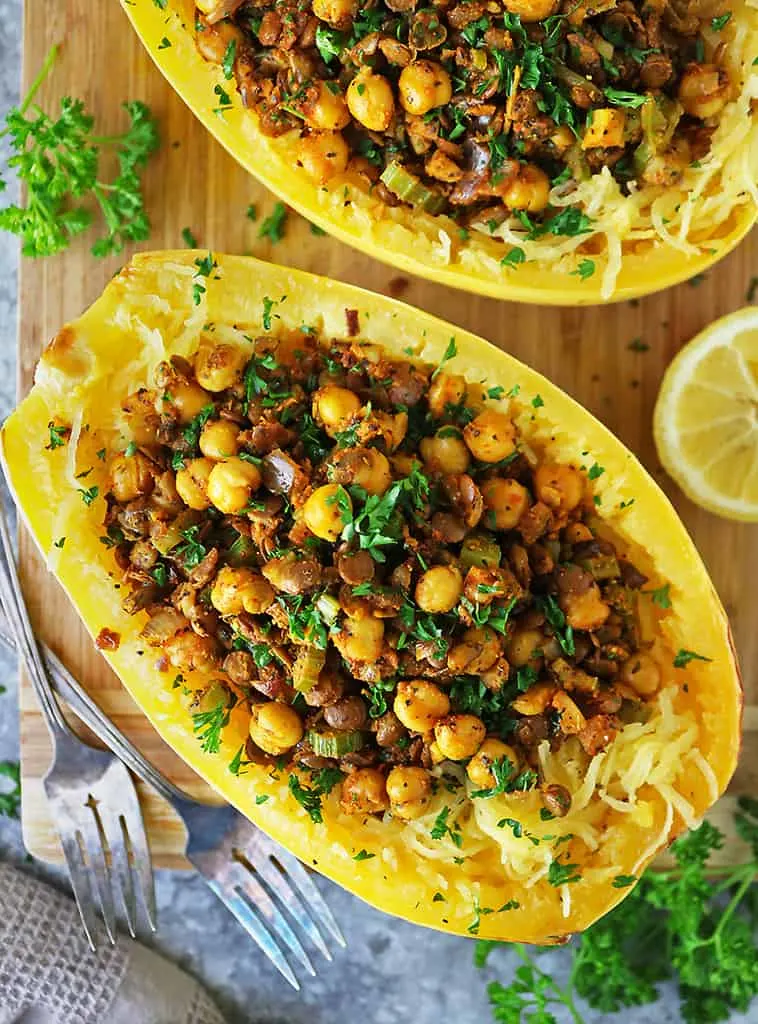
column 640, row 242
column 494, row 867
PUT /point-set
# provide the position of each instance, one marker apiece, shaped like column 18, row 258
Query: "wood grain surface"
column 193, row 183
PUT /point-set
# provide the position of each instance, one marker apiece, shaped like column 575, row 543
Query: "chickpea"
column 325, row 108
column 525, row 647
column 322, row 513
column 218, row 439
column 190, row 652
column 527, row 190
column 232, row 483
column 703, row 90
column 369, row 468
column 490, row 436
column 371, row 101
column 275, row 727
column 213, row 40
column 409, row 790
column 238, row 590
column 322, row 155
column 424, row 85
column 337, row 13
column 360, row 639
column 419, row 705
column 192, row 483
column 364, row 792
column 215, row 10
column 445, row 452
column 559, row 487
column 459, row 736
column 531, row 10
column 506, row 501
column 536, row 699
column 333, row 407
column 186, row 400
column 130, row 476
column 478, row 650
column 218, row 367
column 642, row 674
column 439, row 589
column 479, row 768
column 446, row 389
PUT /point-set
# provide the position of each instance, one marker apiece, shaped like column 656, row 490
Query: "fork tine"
column 257, row 932
column 81, row 884
column 278, row 883
column 269, row 911
column 121, row 875
column 92, row 834
column 133, row 831
column 296, row 871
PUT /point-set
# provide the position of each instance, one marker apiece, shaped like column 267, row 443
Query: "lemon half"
column 706, row 417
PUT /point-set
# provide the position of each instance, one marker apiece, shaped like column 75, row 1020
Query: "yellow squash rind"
column 146, row 313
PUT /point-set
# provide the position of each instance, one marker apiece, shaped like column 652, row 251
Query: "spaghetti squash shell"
column 147, row 313
column 432, row 247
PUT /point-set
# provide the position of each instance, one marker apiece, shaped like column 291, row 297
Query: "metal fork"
column 244, row 868
column 92, row 797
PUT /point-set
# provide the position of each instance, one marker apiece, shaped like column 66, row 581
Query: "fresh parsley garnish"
column 89, row 495
column 273, row 226
column 555, row 617
column 58, row 161
column 661, row 596
column 309, row 797
column 205, row 266
column 441, row 828
column 684, row 657
column 563, row 874
column 58, row 436
column 208, row 725
column 585, row 269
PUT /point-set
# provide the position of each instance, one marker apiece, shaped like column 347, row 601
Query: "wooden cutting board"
column 193, row 183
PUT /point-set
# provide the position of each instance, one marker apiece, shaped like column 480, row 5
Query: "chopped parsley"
column 58, row 436
column 205, row 267
column 441, row 828
column 208, row 725
column 273, row 226
column 555, row 617
column 684, row 657
column 661, row 596
column 563, row 874
column 310, row 797
column 89, row 495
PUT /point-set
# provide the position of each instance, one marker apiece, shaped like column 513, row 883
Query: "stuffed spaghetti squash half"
column 541, row 150
column 397, row 597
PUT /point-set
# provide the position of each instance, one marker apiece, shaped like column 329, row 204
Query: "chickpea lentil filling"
column 367, row 559
column 479, row 108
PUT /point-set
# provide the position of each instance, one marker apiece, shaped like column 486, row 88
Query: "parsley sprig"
column 57, row 159
column 379, row 524
column 694, row 924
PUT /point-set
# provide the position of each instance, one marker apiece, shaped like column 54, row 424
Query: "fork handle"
column 87, row 710
column 20, row 628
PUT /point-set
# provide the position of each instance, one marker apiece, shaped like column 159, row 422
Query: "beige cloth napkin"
column 48, row 974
